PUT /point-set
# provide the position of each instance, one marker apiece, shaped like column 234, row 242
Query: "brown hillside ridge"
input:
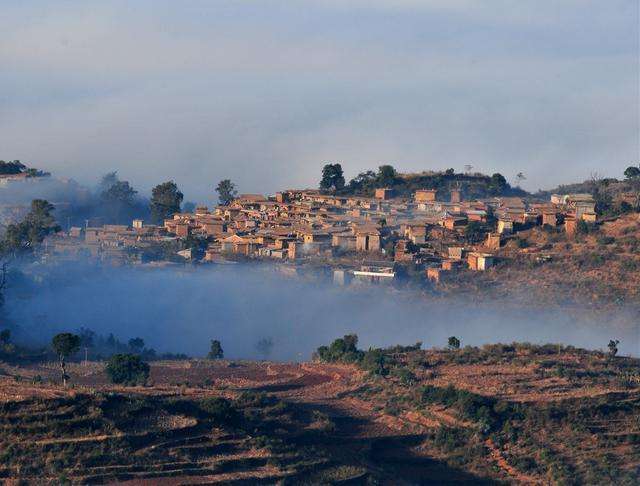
column 599, row 270
column 502, row 413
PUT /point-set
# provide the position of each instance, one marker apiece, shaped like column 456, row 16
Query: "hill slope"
column 516, row 413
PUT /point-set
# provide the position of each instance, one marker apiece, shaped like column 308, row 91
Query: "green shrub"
column 405, row 376
column 375, row 362
column 606, row 240
column 323, row 422
column 451, row 438
column 220, row 410
column 584, row 228
column 256, row 399
column 525, row 464
column 127, row 369
column 630, row 265
column 486, row 411
column 341, row 350
column 417, row 361
column 398, row 348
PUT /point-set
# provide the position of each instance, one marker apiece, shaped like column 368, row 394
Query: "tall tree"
column 498, row 184
column 386, row 175
column 24, row 236
column 226, row 192
column 453, row 342
column 332, row 178
column 216, row 351
column 362, row 182
column 165, row 201
column 632, row 172
column 107, row 180
column 118, row 201
column 64, row 345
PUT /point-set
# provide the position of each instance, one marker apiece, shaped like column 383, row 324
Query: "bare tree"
column 64, row 345
column 595, row 176
column 595, row 180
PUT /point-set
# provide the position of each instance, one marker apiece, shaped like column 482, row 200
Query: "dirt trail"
column 512, row 472
column 409, row 422
column 75, row 440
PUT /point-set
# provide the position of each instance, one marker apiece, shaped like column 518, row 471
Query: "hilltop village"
column 427, row 234
column 94, row 408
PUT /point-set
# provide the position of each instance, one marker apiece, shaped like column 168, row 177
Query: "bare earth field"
column 512, row 415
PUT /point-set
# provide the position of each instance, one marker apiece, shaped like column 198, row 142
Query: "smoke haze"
column 265, row 92
column 181, row 310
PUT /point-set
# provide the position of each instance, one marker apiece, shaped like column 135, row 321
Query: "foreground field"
column 514, row 414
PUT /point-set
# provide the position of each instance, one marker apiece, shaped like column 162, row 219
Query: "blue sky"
column 264, row 92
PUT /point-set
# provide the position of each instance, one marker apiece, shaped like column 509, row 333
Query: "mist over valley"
column 179, row 310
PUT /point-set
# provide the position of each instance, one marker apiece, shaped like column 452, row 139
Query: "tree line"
column 117, row 203
column 166, row 199
column 15, row 167
column 365, row 183
column 127, row 366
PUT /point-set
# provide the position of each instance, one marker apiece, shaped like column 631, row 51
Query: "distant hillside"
column 608, row 193
column 592, row 186
column 17, row 168
column 598, row 268
column 473, row 185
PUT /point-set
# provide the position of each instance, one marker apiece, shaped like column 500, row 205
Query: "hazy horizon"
column 265, row 93
column 242, row 304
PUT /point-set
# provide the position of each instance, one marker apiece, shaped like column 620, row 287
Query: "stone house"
column 367, row 239
column 425, row 195
column 384, row 193
column 480, row 261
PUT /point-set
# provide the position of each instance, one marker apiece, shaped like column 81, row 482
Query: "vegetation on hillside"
column 517, row 413
column 23, row 238
column 529, row 435
column 127, row 369
column 15, row 167
column 473, row 185
column 166, row 199
column 226, row 192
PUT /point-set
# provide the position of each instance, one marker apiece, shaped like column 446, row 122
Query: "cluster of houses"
column 361, row 238
column 114, row 244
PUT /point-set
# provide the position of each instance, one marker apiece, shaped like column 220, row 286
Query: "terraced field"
column 289, row 424
column 534, row 416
